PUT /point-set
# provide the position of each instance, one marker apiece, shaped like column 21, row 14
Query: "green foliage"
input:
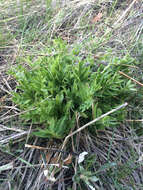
column 84, row 175
column 53, row 89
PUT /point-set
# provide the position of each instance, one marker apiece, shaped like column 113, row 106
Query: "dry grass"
column 25, row 30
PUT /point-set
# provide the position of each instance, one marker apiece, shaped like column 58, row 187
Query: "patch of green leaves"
column 53, row 89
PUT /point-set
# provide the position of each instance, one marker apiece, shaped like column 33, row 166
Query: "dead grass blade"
column 122, row 73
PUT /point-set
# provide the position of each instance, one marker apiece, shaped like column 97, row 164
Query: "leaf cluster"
column 53, row 89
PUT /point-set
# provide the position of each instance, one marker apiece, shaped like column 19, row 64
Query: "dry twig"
column 92, row 122
column 131, row 78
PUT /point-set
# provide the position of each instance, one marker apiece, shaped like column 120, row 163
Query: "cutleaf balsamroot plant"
column 57, row 87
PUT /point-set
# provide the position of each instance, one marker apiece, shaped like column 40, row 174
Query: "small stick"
column 40, row 148
column 130, row 78
column 92, row 122
column 50, row 149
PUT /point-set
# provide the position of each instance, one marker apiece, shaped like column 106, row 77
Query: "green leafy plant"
column 84, row 175
column 53, row 89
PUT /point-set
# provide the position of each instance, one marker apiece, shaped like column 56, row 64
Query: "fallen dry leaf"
column 68, row 160
column 54, row 160
column 97, row 18
column 48, row 157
